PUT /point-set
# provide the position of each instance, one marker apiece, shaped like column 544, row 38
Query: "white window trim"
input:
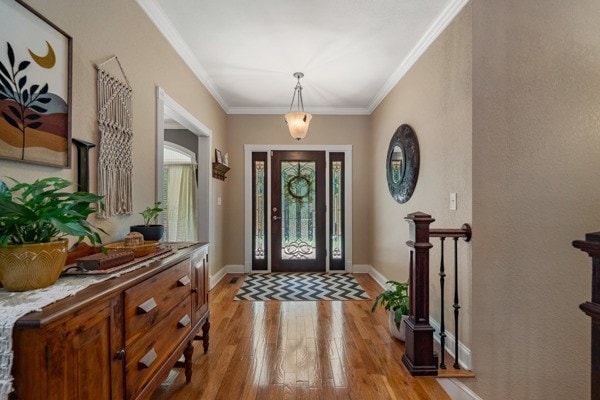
column 249, row 149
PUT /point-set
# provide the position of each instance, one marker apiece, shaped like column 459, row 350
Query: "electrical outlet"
column 453, row 201
column 219, row 201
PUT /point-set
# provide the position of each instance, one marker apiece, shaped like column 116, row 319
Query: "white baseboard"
column 464, row 353
column 457, row 390
column 228, row 269
column 360, row 269
column 380, row 279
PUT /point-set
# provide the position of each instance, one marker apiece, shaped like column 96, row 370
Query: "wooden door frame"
column 346, row 149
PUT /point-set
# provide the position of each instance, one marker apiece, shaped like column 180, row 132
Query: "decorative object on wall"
column 83, row 164
column 298, row 121
column 219, row 167
column 115, row 162
column 35, row 87
column 402, row 163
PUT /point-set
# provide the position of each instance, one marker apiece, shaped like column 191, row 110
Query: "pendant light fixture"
column 297, row 121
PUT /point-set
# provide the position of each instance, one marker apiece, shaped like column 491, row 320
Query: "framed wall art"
column 35, row 87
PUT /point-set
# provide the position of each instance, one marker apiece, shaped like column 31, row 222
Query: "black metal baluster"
column 442, row 322
column 456, row 305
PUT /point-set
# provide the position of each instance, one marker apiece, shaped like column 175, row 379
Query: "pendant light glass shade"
column 298, row 121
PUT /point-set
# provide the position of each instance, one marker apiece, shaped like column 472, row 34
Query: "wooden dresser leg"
column 188, row 353
column 205, row 335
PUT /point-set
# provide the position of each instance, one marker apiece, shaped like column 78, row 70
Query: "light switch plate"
column 453, row 201
column 219, row 201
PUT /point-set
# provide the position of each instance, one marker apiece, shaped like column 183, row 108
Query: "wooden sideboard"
column 117, row 339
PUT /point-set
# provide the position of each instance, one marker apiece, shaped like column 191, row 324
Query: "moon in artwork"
column 46, row 61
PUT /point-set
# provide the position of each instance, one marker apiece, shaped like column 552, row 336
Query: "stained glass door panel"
column 298, row 211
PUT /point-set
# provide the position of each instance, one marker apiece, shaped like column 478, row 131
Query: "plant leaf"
column 5, row 192
column 44, row 100
column 38, row 108
column 11, row 55
column 6, row 84
column 70, row 228
column 10, row 120
column 25, row 96
column 16, row 112
column 4, row 70
column 33, row 89
column 32, row 116
column 44, row 89
column 23, row 65
column 22, row 82
column 34, row 125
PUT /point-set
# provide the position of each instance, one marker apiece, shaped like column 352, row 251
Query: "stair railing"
column 419, row 356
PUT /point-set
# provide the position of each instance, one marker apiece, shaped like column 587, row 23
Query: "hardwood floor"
column 299, row 350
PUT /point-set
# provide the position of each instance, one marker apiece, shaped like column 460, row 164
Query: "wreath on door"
column 299, row 187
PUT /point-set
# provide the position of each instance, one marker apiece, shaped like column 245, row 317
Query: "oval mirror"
column 402, row 163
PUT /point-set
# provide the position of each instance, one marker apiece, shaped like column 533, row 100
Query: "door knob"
column 275, row 218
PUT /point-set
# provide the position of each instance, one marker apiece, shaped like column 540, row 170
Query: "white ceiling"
column 352, row 52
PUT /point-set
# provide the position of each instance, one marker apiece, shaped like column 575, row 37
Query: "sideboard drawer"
column 149, row 351
column 149, row 302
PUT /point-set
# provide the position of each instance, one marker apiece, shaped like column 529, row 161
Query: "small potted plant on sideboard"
column 35, row 219
column 150, row 229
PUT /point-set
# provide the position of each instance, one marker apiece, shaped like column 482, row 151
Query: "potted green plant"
column 35, row 218
column 396, row 300
column 150, row 229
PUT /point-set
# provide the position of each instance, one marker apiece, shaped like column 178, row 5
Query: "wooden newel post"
column 418, row 354
column 591, row 245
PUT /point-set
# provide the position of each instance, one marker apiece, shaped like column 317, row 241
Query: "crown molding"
column 158, row 17
column 435, row 29
column 160, row 20
column 284, row 110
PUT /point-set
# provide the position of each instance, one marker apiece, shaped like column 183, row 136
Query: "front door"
column 298, row 211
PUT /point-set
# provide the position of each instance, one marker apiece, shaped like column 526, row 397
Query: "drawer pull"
column 120, row 355
column 147, row 306
column 183, row 281
column 147, row 360
column 183, row 322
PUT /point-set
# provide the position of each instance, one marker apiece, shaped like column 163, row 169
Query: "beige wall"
column 536, row 188
column 99, row 30
column 271, row 129
column 434, row 97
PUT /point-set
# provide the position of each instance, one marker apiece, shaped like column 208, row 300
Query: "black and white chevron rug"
column 304, row 286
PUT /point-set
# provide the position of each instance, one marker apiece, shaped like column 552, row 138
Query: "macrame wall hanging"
column 115, row 162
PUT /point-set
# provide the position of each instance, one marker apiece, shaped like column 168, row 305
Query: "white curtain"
column 181, row 197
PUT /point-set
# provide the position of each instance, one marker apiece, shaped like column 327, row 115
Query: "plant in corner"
column 34, row 220
column 396, row 300
column 150, row 229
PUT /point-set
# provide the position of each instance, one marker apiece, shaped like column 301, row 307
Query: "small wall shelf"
column 219, row 170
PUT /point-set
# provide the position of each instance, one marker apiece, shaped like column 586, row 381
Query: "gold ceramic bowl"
column 32, row 266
